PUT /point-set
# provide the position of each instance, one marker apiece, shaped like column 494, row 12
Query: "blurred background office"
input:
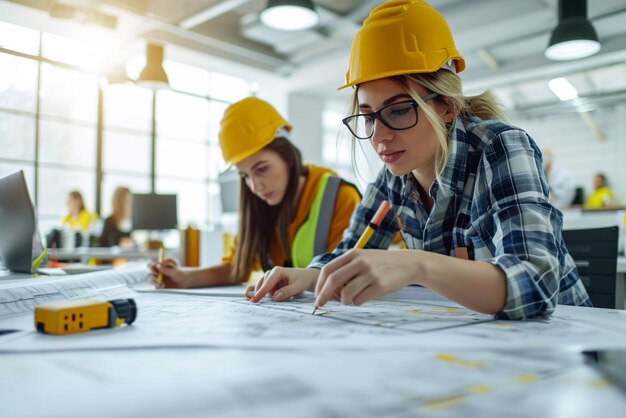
column 96, row 94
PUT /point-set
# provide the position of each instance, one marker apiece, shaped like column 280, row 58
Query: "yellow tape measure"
column 84, row 315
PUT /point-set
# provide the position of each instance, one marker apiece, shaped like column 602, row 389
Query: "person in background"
column 78, row 217
column 288, row 211
column 117, row 227
column 468, row 188
column 602, row 196
column 560, row 180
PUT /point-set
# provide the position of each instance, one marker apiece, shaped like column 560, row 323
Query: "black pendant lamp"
column 574, row 37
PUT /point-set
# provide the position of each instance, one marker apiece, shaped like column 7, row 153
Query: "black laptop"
column 19, row 240
column 20, row 243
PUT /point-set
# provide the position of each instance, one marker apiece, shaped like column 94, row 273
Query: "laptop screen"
column 19, row 240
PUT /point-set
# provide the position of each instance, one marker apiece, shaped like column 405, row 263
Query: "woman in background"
column 602, row 196
column 117, row 227
column 78, row 217
column 288, row 211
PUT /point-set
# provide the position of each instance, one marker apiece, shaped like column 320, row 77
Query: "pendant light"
column 574, row 37
column 289, row 14
column 153, row 75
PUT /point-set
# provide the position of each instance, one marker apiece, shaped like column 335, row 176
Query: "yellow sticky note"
column 447, row 402
column 600, row 383
column 416, row 311
column 450, row 358
column 480, row 389
column 527, row 378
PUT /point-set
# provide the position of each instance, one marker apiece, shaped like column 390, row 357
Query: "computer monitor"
column 19, row 240
column 229, row 190
column 154, row 211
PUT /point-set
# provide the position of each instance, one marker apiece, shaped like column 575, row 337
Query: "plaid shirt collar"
column 454, row 175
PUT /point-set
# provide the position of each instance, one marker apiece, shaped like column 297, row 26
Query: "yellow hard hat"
column 247, row 126
column 401, row 37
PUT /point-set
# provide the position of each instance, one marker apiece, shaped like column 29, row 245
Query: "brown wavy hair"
column 258, row 220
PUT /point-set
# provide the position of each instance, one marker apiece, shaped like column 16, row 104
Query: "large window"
column 60, row 125
column 18, row 102
column 182, row 135
column 18, row 38
column 188, row 158
column 17, row 137
column 67, row 140
column 127, row 148
column 18, row 83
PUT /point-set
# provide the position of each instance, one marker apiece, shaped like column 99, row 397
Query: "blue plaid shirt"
column 493, row 200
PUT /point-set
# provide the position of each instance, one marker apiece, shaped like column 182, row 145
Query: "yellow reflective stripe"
column 302, row 247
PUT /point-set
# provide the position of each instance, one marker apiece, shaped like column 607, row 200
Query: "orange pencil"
column 384, row 207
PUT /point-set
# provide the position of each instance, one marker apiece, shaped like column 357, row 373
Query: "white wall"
column 305, row 115
column 576, row 148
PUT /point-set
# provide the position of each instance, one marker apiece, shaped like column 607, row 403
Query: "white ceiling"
column 502, row 41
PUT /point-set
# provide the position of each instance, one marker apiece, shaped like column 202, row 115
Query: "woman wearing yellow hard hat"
column 289, row 211
column 466, row 186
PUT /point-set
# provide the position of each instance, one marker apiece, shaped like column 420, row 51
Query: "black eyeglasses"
column 398, row 116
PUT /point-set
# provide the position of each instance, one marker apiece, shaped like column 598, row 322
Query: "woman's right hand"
column 283, row 283
column 173, row 277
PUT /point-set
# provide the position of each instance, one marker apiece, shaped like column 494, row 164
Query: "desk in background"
column 84, row 254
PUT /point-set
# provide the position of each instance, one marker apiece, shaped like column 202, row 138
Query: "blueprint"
column 192, row 320
column 307, row 383
column 21, row 297
column 210, row 352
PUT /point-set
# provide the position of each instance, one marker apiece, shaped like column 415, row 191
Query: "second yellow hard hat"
column 401, row 37
column 247, row 126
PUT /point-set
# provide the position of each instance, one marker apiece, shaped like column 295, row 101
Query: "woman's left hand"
column 361, row 275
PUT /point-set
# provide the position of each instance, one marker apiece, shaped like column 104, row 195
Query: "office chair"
column 579, row 196
column 595, row 253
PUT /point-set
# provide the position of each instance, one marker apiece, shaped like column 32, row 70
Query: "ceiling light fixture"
column 153, row 75
column 574, row 37
column 290, row 14
column 563, row 89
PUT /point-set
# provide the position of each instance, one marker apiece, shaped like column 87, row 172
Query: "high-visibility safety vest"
column 312, row 236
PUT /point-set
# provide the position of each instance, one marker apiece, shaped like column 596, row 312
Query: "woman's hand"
column 361, row 275
column 282, row 283
column 172, row 276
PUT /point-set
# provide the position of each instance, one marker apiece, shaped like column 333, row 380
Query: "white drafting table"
column 207, row 352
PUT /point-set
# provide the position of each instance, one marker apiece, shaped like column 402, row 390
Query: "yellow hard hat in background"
column 401, row 37
column 247, row 126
